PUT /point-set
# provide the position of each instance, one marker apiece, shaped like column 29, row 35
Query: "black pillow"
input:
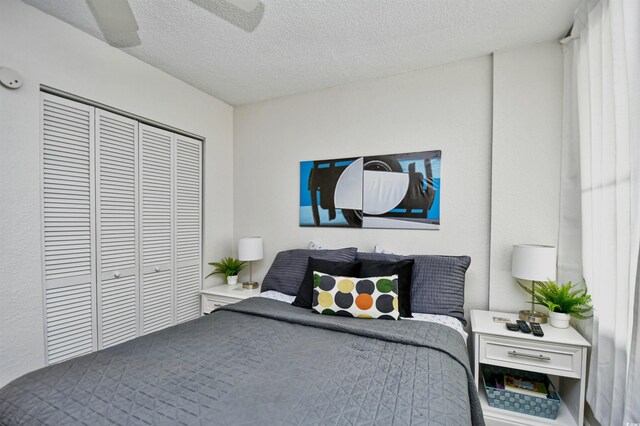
column 404, row 269
column 304, row 298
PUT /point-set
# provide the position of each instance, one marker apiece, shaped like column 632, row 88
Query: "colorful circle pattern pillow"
column 373, row 297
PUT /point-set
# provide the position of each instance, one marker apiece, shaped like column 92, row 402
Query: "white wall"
column 504, row 110
column 47, row 51
column 447, row 108
column 527, row 131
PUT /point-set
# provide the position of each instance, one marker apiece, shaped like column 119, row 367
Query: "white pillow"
column 314, row 246
column 276, row 295
column 379, row 249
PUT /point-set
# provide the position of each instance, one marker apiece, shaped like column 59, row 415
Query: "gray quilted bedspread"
column 259, row 362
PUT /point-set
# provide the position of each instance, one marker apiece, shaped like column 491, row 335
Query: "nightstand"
column 560, row 353
column 224, row 294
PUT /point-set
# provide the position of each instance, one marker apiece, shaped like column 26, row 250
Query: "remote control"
column 524, row 327
column 537, row 330
column 513, row 326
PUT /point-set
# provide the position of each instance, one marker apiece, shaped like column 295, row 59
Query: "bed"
column 260, row 361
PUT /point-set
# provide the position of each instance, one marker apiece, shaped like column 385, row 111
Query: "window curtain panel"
column 599, row 235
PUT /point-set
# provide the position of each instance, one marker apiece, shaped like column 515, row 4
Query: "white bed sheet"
column 440, row 319
column 276, row 295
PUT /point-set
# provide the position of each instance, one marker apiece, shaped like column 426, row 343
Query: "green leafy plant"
column 227, row 266
column 563, row 299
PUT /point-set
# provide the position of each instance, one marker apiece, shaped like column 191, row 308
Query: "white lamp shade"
column 250, row 248
column 533, row 262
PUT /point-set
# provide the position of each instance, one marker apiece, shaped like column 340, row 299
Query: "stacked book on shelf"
column 518, row 384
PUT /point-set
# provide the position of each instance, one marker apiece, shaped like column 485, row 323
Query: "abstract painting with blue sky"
column 381, row 191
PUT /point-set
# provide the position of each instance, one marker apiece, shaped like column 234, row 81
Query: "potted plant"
column 563, row 301
column 229, row 267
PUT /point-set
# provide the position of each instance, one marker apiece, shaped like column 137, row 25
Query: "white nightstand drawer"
column 214, row 302
column 542, row 357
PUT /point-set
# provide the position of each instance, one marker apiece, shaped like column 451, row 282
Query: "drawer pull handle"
column 217, row 304
column 540, row 357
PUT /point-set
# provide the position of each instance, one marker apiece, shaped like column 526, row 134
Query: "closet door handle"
column 116, row 274
column 157, row 269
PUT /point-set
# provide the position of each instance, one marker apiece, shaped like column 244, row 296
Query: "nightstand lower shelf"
column 499, row 417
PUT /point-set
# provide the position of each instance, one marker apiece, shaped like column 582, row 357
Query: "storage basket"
column 520, row 403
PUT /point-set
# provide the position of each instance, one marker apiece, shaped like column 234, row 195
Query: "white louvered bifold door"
column 68, row 227
column 156, row 185
column 121, row 225
column 117, row 228
column 188, row 227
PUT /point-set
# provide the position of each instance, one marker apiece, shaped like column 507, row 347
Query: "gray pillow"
column 288, row 268
column 437, row 282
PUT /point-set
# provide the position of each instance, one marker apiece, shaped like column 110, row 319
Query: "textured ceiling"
column 303, row 45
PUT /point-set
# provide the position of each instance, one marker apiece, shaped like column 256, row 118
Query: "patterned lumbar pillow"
column 373, row 297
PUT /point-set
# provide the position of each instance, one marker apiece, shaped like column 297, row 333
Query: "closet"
column 121, row 224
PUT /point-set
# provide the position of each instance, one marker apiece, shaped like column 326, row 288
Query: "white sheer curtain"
column 600, row 207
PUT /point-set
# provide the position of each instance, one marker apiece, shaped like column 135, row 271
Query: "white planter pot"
column 232, row 279
column 558, row 320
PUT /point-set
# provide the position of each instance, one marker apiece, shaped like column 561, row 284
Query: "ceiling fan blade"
column 116, row 21
column 123, row 39
column 246, row 5
column 230, row 12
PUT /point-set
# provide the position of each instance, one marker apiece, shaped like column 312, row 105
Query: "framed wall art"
column 399, row 191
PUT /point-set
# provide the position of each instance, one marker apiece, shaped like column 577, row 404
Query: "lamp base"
column 533, row 316
column 250, row 284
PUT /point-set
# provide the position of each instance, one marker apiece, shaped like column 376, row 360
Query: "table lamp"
column 250, row 249
column 533, row 263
